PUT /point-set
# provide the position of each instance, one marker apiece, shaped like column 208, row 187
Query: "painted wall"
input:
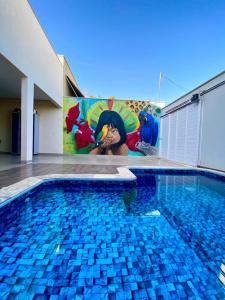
column 50, row 130
column 109, row 126
column 25, row 45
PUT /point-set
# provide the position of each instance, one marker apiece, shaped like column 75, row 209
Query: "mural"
column 110, row 127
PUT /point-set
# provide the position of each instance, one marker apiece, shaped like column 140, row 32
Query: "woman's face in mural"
column 112, row 135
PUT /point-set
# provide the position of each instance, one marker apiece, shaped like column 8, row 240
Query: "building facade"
column 32, row 77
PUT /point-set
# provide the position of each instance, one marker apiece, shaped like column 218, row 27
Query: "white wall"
column 192, row 134
column 195, row 134
column 51, row 128
column 212, row 151
column 26, row 46
column 164, row 137
column 172, row 136
column 180, row 135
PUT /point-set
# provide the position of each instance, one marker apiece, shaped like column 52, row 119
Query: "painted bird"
column 149, row 128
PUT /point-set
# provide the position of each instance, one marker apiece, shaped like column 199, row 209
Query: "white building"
column 193, row 126
column 32, row 76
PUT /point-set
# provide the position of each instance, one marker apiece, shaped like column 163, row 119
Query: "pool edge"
column 9, row 193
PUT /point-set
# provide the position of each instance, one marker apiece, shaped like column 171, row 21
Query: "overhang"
column 10, row 83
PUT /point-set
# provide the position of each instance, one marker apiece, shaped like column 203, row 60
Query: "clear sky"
column 118, row 47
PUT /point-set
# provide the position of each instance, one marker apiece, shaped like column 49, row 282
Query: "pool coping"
column 14, row 190
column 9, row 193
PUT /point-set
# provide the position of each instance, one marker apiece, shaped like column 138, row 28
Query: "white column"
column 27, row 106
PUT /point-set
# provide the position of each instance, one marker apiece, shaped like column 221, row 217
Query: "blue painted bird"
column 149, row 128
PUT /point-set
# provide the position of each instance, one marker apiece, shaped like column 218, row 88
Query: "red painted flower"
column 71, row 118
column 83, row 135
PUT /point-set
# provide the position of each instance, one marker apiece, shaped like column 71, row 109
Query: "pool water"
column 159, row 238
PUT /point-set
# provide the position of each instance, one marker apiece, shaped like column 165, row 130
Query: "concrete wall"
column 50, row 130
column 212, row 150
column 26, row 46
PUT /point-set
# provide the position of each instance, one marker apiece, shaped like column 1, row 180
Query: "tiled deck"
column 12, row 170
column 9, row 161
column 10, row 176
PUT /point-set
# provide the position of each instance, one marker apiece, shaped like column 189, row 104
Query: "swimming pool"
column 160, row 237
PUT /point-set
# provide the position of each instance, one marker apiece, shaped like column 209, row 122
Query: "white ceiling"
column 10, row 82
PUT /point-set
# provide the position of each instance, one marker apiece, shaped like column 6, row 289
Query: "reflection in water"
column 153, row 233
column 129, row 196
column 194, row 206
column 141, row 200
column 153, row 213
column 222, row 274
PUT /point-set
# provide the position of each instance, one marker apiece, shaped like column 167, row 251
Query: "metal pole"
column 159, row 87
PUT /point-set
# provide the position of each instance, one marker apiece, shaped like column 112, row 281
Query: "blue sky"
column 118, row 47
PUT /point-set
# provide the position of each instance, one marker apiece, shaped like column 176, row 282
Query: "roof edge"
column 191, row 91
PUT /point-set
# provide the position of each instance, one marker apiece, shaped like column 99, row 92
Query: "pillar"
column 27, row 107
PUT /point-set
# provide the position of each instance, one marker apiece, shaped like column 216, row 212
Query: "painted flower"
column 71, row 118
column 84, row 135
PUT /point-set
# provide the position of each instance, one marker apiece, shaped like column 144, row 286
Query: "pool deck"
column 17, row 177
column 13, row 170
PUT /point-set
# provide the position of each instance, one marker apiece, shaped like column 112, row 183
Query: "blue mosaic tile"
column 95, row 240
